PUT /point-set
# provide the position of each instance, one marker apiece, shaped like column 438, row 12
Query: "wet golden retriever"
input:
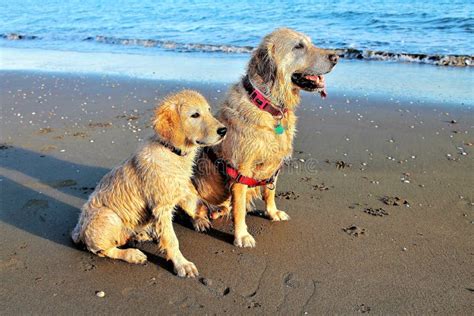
column 136, row 200
column 258, row 141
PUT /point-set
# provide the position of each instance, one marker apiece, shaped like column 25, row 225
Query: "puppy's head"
column 184, row 119
column 287, row 59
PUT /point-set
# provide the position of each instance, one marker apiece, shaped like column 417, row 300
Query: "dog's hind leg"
column 201, row 220
column 196, row 209
column 104, row 232
column 221, row 210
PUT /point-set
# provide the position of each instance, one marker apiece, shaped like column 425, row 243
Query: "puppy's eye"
column 299, row 46
column 195, row 115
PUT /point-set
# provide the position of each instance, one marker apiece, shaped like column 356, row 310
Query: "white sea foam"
column 397, row 80
column 347, row 53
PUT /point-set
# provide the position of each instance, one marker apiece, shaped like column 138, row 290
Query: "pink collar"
column 261, row 101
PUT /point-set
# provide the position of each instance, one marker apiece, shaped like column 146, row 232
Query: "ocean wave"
column 170, row 45
column 438, row 60
column 17, row 37
column 346, row 53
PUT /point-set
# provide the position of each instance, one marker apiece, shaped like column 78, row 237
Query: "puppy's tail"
column 76, row 232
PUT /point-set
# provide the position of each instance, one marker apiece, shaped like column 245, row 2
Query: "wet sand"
column 348, row 249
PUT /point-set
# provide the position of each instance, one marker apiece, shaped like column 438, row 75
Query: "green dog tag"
column 279, row 129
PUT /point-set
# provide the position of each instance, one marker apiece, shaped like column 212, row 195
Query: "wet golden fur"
column 251, row 145
column 136, row 200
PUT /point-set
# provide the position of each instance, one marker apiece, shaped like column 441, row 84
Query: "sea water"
column 207, row 40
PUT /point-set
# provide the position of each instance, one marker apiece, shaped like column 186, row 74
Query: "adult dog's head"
column 185, row 120
column 286, row 62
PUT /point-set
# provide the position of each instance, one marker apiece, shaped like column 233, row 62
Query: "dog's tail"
column 252, row 195
column 76, row 232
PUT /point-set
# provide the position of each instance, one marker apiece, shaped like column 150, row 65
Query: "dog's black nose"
column 221, row 131
column 333, row 58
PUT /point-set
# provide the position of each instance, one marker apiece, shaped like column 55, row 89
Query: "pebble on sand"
column 205, row 281
column 100, row 294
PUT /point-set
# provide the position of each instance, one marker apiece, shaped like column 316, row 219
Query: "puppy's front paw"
column 201, row 224
column 135, row 256
column 245, row 241
column 186, row 269
column 279, row 216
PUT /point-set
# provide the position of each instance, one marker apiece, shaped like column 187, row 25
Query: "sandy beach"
column 380, row 194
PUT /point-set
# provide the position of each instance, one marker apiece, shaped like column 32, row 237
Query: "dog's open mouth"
column 310, row 82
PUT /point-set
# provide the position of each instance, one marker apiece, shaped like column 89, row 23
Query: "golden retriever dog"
column 136, row 200
column 259, row 113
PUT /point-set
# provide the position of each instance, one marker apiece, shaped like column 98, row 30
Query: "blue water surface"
column 430, row 26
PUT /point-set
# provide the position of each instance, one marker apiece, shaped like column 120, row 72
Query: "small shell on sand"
column 100, row 294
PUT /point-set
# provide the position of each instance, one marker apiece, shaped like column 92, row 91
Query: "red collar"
column 260, row 100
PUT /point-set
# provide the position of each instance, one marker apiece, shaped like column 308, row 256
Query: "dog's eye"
column 299, row 46
column 195, row 115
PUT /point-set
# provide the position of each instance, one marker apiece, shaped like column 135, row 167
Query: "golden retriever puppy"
column 136, row 200
column 259, row 113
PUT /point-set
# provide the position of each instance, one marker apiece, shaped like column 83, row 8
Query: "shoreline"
column 344, row 251
column 407, row 82
column 436, row 59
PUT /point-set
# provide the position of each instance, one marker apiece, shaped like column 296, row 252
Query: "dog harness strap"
column 250, row 182
column 234, row 174
column 260, row 100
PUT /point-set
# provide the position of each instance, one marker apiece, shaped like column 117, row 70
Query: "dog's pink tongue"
column 313, row 78
column 318, row 80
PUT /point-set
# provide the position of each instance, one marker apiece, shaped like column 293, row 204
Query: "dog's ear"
column 166, row 120
column 263, row 64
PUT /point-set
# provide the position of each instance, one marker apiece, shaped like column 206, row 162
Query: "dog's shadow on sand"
column 42, row 195
column 184, row 221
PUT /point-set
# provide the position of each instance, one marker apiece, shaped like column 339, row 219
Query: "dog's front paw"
column 279, row 216
column 245, row 241
column 186, row 269
column 135, row 256
column 201, row 224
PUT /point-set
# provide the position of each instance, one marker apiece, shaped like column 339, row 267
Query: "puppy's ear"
column 166, row 120
column 263, row 63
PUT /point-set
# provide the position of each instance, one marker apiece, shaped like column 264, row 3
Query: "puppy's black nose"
column 333, row 58
column 221, row 131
